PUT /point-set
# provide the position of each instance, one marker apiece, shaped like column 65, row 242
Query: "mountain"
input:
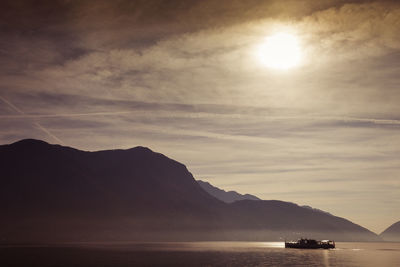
column 392, row 233
column 225, row 196
column 51, row 193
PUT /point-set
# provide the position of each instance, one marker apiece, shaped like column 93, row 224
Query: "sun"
column 280, row 51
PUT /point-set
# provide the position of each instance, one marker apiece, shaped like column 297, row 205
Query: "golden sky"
column 187, row 79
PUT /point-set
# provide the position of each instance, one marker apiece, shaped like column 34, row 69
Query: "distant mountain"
column 55, row 193
column 225, row 196
column 392, row 233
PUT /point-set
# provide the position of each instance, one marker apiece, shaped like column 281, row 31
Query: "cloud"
column 354, row 31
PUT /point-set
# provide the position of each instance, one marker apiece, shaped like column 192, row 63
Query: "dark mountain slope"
column 116, row 181
column 225, row 196
column 45, row 187
column 392, row 233
column 54, row 193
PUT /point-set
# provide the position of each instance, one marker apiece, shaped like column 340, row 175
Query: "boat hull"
column 322, row 246
column 310, row 244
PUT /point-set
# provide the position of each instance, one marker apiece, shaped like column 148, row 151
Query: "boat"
column 310, row 243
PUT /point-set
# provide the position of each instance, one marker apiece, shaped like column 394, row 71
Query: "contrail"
column 198, row 115
column 26, row 116
column 48, row 133
column 12, row 105
column 23, row 115
column 38, row 125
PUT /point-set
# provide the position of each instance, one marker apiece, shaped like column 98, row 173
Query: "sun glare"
column 280, row 51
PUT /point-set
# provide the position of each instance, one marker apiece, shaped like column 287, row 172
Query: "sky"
column 187, row 78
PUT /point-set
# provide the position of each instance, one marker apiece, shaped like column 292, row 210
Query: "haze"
column 185, row 79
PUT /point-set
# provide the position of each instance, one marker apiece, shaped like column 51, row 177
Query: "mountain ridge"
column 225, row 196
column 56, row 193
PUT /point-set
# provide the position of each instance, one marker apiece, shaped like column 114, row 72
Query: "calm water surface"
column 199, row 254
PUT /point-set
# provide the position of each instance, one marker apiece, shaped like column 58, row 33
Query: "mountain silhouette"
column 56, row 193
column 392, row 233
column 225, row 196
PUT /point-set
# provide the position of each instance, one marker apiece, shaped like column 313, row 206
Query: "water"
column 199, row 254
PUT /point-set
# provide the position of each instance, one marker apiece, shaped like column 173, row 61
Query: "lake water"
column 199, row 254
